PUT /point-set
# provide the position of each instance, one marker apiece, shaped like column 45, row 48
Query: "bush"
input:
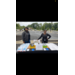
column 52, row 28
column 57, row 29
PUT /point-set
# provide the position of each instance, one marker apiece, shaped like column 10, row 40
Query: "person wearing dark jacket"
column 26, row 36
column 44, row 37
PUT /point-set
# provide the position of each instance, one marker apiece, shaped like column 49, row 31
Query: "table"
column 26, row 48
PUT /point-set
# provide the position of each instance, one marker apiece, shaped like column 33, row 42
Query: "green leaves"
column 52, row 28
column 19, row 27
column 48, row 26
column 55, row 26
column 43, row 27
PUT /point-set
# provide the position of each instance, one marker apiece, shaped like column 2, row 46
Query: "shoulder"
column 23, row 32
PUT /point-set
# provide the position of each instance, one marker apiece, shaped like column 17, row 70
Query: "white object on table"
column 35, row 43
column 19, row 49
column 39, row 47
column 52, row 46
column 44, row 49
column 27, row 49
column 23, row 47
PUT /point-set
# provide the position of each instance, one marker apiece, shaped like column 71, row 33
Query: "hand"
column 23, row 42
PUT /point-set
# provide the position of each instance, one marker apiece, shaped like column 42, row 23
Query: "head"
column 26, row 29
column 45, row 31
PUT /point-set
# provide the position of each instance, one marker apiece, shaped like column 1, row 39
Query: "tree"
column 47, row 28
column 43, row 27
column 17, row 26
column 29, row 26
column 35, row 25
column 40, row 26
column 22, row 27
column 57, row 29
column 52, row 28
column 55, row 26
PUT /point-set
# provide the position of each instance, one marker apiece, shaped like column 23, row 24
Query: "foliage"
column 48, row 26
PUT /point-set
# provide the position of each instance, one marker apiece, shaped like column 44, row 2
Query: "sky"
column 27, row 23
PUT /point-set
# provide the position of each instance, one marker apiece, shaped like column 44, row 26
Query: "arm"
column 23, row 36
column 29, row 35
column 40, row 37
column 49, row 36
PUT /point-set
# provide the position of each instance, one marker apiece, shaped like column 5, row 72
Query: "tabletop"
column 26, row 47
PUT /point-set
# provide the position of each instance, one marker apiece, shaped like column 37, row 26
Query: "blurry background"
column 35, row 29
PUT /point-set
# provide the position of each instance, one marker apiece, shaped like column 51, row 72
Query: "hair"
column 26, row 28
column 45, row 30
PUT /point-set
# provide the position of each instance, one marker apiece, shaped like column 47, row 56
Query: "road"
column 36, row 34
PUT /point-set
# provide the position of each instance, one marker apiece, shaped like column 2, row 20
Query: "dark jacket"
column 44, row 37
column 25, row 36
